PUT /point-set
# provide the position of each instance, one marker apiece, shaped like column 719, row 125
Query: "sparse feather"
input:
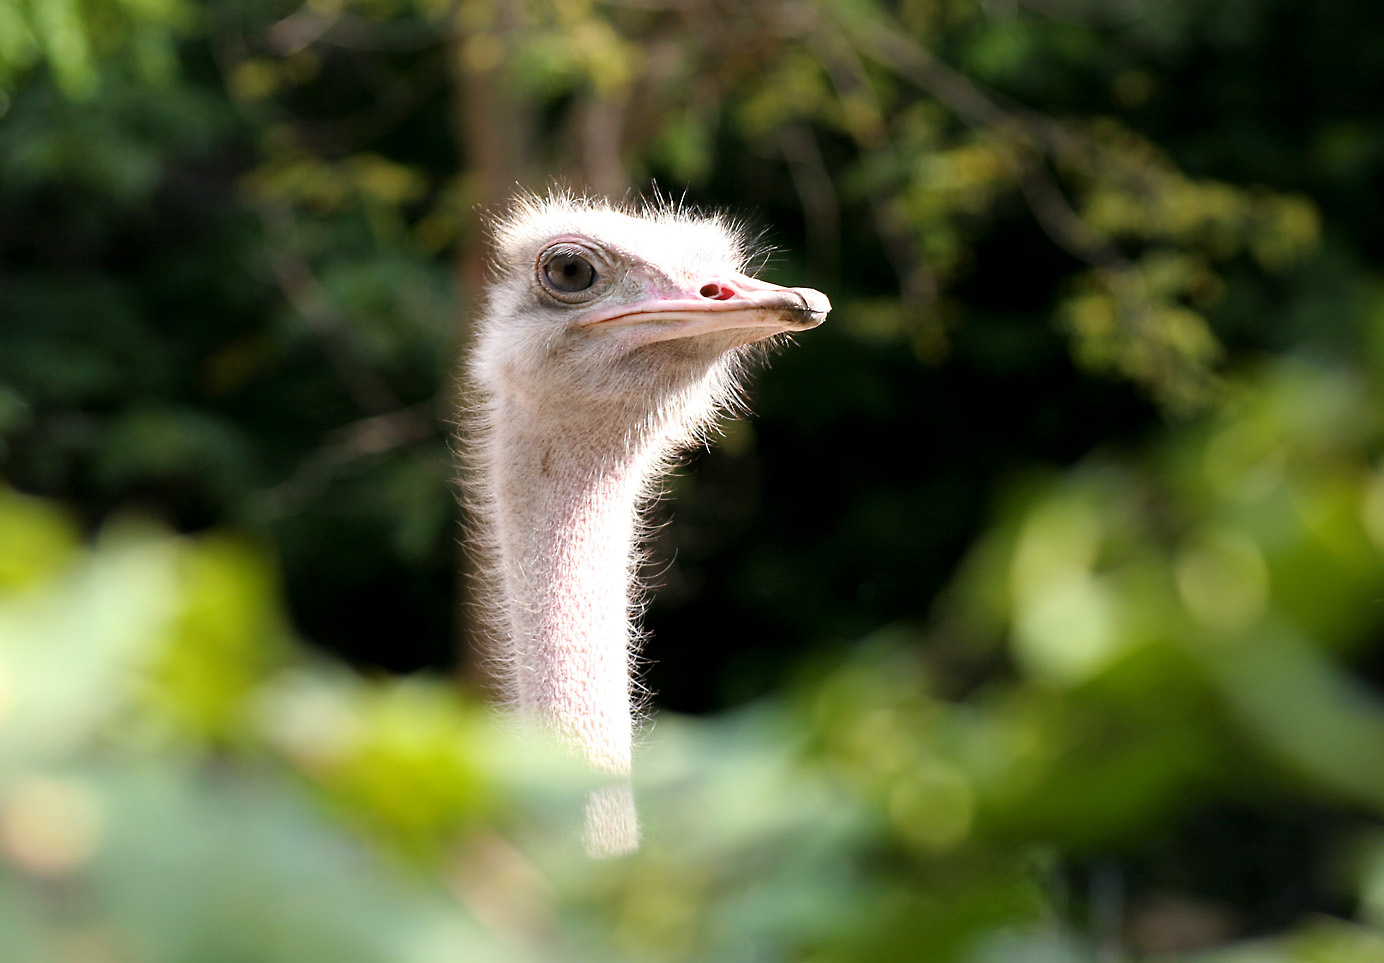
column 586, row 387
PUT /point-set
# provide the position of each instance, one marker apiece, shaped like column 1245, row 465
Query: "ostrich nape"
column 611, row 338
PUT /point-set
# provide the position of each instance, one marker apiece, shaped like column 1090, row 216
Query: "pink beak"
column 721, row 303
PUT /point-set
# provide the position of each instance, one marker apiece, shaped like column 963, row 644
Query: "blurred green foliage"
column 1102, row 681
column 1177, row 627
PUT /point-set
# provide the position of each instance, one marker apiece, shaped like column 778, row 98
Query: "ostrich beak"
column 726, row 302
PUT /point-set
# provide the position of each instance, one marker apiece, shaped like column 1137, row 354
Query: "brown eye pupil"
column 569, row 273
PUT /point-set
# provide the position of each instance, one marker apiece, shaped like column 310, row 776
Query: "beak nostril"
column 716, row 292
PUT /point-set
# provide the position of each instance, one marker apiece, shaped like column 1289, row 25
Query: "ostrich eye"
column 569, row 272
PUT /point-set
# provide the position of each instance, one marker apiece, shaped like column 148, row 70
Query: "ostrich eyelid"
column 599, row 273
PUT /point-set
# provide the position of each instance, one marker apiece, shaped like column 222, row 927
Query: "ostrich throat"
column 569, row 497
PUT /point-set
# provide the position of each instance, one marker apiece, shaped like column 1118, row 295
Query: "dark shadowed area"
column 1033, row 615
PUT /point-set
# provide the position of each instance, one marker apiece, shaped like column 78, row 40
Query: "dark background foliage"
column 1057, row 550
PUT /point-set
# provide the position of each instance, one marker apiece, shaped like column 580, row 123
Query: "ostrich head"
column 610, row 338
column 592, row 305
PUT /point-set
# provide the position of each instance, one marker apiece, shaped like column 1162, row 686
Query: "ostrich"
column 610, row 338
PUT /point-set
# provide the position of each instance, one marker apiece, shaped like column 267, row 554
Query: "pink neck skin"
column 566, row 525
column 566, row 545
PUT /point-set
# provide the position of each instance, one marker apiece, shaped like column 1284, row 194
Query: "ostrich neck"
column 567, row 521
